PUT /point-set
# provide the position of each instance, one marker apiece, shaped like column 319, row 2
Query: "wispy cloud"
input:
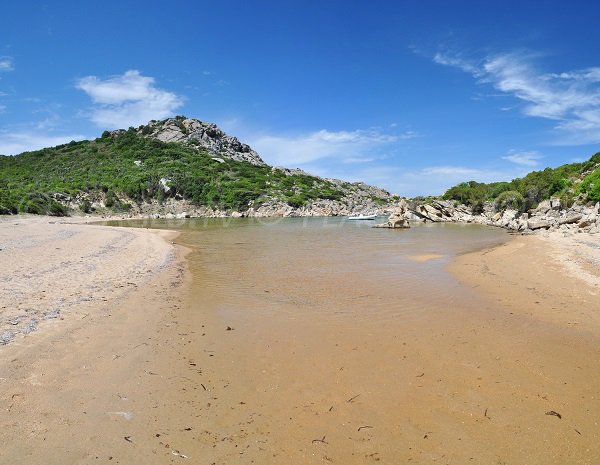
column 435, row 180
column 358, row 146
column 453, row 171
column 524, row 158
column 6, row 64
column 12, row 143
column 457, row 61
column 128, row 100
column 571, row 98
column 429, row 180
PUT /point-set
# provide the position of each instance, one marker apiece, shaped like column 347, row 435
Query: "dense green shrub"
column 509, row 199
column 110, row 199
column 85, row 206
column 533, row 188
column 296, row 201
column 107, row 164
column 590, row 186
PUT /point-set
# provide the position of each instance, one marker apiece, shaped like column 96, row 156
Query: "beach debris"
column 229, row 328
column 322, row 440
column 577, row 431
column 486, row 415
column 176, row 453
column 203, row 387
column 421, row 375
column 126, row 415
column 6, row 337
column 331, row 408
column 52, row 314
column 30, row 327
column 352, row 398
column 555, row 414
column 128, row 438
column 364, row 427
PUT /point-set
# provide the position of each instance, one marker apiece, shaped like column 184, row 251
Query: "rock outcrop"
column 399, row 217
column 201, row 135
column 550, row 215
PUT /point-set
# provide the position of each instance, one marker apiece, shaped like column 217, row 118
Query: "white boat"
column 362, row 217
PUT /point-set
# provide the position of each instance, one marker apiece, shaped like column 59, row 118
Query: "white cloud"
column 12, row 143
column 128, row 100
column 6, row 64
column 455, row 171
column 431, row 180
column 524, row 158
column 456, row 61
column 344, row 146
column 435, row 180
column 571, row 98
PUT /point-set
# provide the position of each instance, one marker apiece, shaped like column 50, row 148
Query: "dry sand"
column 145, row 374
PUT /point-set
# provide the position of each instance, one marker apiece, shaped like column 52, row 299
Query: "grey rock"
column 543, row 207
column 399, row 219
column 164, row 185
column 61, row 197
column 538, row 223
column 202, row 136
column 570, row 218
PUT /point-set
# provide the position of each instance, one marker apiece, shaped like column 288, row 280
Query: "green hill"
column 125, row 168
column 576, row 181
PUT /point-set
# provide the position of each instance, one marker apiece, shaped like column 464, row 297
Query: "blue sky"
column 411, row 96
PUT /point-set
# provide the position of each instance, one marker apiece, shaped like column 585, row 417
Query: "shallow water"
column 326, row 267
column 322, row 340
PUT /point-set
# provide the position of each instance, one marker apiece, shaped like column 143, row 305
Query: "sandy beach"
column 82, row 308
column 112, row 358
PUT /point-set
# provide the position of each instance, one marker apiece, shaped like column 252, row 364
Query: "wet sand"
column 165, row 373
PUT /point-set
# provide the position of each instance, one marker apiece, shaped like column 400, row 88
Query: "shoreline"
column 537, row 276
column 54, row 269
column 152, row 374
column 71, row 389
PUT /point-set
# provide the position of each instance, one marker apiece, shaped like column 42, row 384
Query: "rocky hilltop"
column 201, row 136
column 175, row 167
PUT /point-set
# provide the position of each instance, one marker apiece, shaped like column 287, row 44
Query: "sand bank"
column 82, row 308
column 554, row 278
column 53, row 269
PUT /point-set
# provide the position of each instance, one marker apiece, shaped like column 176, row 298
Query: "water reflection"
column 330, row 267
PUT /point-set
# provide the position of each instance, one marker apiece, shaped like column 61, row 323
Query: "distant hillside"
column 576, row 182
column 170, row 165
